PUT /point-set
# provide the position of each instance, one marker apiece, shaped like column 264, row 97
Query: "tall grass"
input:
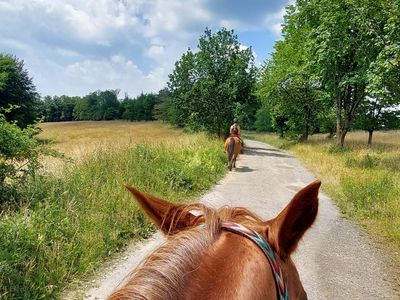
column 73, row 221
column 363, row 180
column 78, row 139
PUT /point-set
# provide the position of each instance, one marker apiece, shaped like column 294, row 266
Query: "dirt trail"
column 336, row 260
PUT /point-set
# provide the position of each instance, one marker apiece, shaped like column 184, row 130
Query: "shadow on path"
column 244, row 170
column 265, row 152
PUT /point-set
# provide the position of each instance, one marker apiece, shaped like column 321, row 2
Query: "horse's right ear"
column 288, row 227
column 169, row 217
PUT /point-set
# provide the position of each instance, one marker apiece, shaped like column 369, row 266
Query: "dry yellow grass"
column 381, row 140
column 78, row 139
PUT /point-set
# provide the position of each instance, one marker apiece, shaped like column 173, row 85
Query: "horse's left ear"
column 288, row 227
column 169, row 217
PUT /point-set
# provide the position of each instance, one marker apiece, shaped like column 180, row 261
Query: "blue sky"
column 74, row 47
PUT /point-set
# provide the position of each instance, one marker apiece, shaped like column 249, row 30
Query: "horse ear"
column 168, row 217
column 293, row 221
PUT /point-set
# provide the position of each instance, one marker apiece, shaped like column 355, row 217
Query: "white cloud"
column 67, row 52
column 155, row 50
column 13, row 43
column 274, row 21
column 117, row 72
column 231, row 24
column 75, row 47
column 175, row 17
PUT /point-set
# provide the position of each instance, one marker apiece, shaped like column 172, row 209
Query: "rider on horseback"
column 235, row 129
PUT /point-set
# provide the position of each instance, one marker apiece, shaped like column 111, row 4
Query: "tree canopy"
column 334, row 58
column 211, row 86
column 17, row 90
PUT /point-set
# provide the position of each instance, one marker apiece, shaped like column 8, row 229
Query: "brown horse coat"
column 205, row 262
column 232, row 148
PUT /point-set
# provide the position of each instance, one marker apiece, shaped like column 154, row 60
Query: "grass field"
column 68, row 224
column 363, row 180
column 77, row 140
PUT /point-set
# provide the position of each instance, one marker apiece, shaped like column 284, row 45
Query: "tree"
column 354, row 52
column 107, row 105
column 55, row 109
column 161, row 110
column 85, row 107
column 287, row 85
column 99, row 105
column 17, row 90
column 181, row 87
column 208, row 86
column 374, row 115
column 19, row 156
column 140, row 108
column 263, row 120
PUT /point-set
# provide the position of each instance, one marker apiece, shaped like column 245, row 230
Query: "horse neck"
column 205, row 263
column 233, row 268
column 164, row 274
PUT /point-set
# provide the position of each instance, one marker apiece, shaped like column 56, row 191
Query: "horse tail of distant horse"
column 231, row 151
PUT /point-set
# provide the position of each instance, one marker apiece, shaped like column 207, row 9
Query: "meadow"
column 363, row 180
column 77, row 140
column 68, row 224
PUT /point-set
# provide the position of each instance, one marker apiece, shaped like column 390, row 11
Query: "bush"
column 19, row 157
column 79, row 218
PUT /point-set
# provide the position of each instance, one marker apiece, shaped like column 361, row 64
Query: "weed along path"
column 335, row 260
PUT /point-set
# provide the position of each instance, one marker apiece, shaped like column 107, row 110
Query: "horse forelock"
column 164, row 274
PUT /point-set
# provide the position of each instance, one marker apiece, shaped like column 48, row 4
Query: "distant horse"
column 232, row 149
column 229, row 253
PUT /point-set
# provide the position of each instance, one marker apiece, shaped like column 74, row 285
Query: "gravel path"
column 336, row 260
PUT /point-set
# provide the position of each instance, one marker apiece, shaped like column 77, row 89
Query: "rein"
column 254, row 236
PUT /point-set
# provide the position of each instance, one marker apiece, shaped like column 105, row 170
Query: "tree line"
column 99, row 105
column 335, row 69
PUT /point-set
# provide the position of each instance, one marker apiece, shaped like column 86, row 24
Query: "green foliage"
column 17, row 89
column 263, row 119
column 212, row 86
column 161, row 110
column 337, row 60
column 375, row 114
column 288, row 87
column 55, row 109
column 19, row 158
column 140, row 108
column 83, row 216
column 346, row 43
column 100, row 105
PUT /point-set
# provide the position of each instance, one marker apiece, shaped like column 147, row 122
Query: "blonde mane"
column 163, row 275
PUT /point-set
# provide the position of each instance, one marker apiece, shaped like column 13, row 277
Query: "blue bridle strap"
column 259, row 240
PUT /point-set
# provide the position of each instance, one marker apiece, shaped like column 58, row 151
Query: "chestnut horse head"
column 232, row 148
column 209, row 255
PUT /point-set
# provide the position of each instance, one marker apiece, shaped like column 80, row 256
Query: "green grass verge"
column 74, row 222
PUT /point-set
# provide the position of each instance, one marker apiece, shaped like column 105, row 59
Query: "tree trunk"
column 338, row 131
column 370, row 132
column 342, row 137
column 304, row 135
column 345, row 129
column 331, row 133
